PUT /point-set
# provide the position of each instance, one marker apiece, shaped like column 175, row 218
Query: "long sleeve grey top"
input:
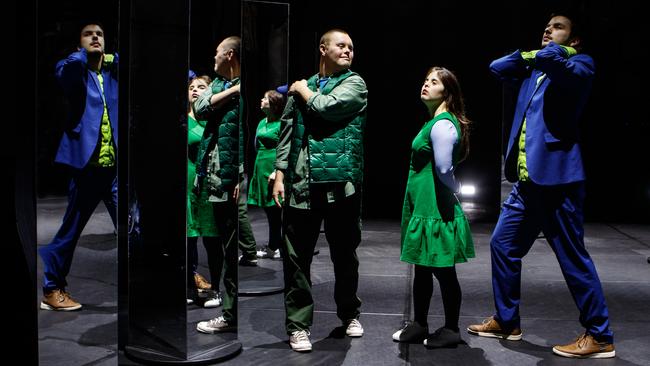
column 443, row 138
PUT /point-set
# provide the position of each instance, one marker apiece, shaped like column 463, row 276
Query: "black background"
column 394, row 46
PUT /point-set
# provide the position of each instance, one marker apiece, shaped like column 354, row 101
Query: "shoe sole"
column 413, row 341
column 210, row 306
column 301, row 349
column 450, row 345
column 354, row 334
column 45, row 306
column 592, row 355
column 213, row 331
column 509, row 337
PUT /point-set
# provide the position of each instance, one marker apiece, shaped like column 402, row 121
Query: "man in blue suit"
column 543, row 158
column 89, row 147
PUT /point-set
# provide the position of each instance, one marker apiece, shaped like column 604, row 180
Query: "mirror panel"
column 265, row 52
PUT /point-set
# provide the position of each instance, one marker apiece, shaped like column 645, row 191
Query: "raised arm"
column 282, row 151
column 71, row 71
column 286, row 132
column 510, row 68
column 563, row 66
column 209, row 101
column 346, row 100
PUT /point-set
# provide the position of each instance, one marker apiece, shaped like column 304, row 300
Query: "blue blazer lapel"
column 534, row 86
column 531, row 88
column 93, row 76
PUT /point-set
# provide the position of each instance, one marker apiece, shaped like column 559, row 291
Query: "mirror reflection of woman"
column 200, row 216
column 259, row 187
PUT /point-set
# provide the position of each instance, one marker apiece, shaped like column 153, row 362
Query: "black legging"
column 423, row 290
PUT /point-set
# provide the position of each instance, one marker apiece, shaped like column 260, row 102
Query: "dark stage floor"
column 89, row 337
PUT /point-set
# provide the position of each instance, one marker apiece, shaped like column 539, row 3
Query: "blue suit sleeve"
column 553, row 60
column 71, row 71
column 510, row 68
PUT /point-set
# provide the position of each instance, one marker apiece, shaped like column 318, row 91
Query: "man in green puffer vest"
column 320, row 158
column 218, row 171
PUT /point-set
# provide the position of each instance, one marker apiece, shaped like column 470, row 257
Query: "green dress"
column 435, row 231
column 259, row 192
column 200, row 216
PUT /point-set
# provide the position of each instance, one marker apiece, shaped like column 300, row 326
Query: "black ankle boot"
column 443, row 337
column 411, row 333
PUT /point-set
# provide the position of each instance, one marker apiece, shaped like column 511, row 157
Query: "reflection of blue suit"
column 551, row 99
column 79, row 144
column 86, row 106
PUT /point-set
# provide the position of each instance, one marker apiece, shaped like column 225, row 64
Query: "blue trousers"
column 557, row 211
column 87, row 188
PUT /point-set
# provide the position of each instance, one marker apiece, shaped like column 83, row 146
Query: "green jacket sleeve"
column 346, row 100
column 286, row 132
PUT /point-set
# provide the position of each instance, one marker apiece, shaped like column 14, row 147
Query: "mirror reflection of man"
column 320, row 163
column 88, row 147
column 218, row 171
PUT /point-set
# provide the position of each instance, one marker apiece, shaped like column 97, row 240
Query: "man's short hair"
column 576, row 22
column 234, row 43
column 83, row 25
column 326, row 36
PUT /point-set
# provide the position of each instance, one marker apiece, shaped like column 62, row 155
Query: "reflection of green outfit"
column 200, row 216
column 435, row 232
column 218, row 169
column 259, row 193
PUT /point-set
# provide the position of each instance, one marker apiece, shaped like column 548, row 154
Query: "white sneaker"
column 266, row 252
column 299, row 341
column 354, row 328
column 263, row 252
column 190, row 301
column 214, row 301
column 215, row 325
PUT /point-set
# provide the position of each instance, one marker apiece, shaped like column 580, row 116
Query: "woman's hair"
column 276, row 104
column 453, row 97
column 205, row 78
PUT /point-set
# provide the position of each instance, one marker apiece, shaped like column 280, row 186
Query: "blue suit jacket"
column 85, row 107
column 552, row 110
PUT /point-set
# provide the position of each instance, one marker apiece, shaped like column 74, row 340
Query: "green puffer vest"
column 222, row 132
column 335, row 147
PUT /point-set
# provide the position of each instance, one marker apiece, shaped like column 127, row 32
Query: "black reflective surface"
column 155, row 110
column 265, row 36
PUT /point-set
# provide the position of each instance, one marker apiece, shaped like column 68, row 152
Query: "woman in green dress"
column 435, row 231
column 259, row 187
column 200, row 217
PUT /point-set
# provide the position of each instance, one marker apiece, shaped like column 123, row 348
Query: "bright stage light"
column 467, row 190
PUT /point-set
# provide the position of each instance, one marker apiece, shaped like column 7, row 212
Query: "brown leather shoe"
column 586, row 347
column 201, row 283
column 59, row 300
column 491, row 328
